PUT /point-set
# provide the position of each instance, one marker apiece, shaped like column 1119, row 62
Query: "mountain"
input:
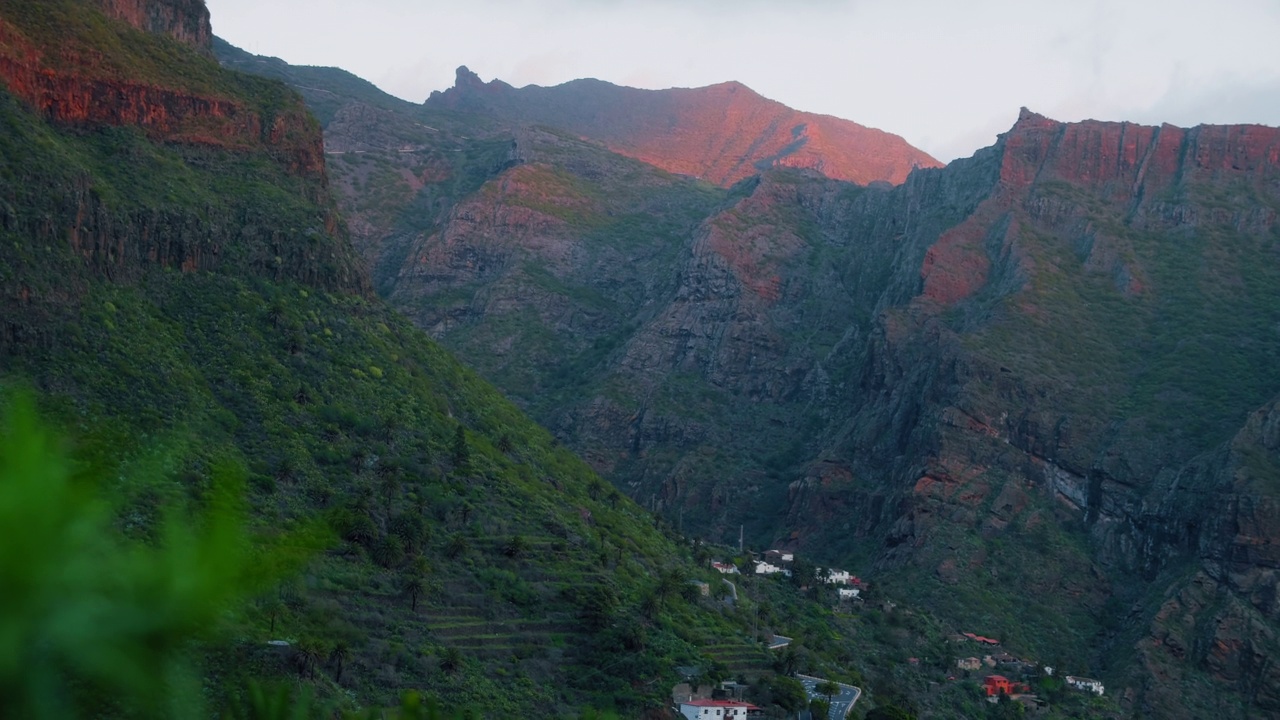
column 181, row 294
column 721, row 133
column 1030, row 392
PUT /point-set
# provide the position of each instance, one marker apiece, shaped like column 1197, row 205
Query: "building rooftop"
column 720, row 703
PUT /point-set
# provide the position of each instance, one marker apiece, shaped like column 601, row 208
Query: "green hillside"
column 187, row 312
column 471, row 558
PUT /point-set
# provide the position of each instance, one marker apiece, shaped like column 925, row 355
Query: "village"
column 1001, row 675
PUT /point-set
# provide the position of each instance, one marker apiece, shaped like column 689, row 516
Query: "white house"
column 715, row 709
column 725, row 568
column 848, row 593
column 1086, row 684
column 764, row 568
column 838, row 577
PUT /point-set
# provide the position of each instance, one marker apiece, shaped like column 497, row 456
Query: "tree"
column 827, row 688
column 598, row 603
column 670, row 582
column 389, row 484
column 388, row 551
column 307, row 654
column 410, row 528
column 451, row 660
column 415, row 586
column 461, row 451
column 819, row 708
column 457, row 546
column 341, row 651
column 787, row 693
column 515, row 547
column 803, row 572
column 273, row 609
column 787, row 661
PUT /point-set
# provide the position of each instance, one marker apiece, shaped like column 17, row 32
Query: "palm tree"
column 457, row 546
column 414, row 587
column 308, row 655
column 515, row 547
column 828, row 688
column 339, row 655
column 451, row 660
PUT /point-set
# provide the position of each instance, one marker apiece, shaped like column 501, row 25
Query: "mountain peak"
column 467, row 91
column 1029, row 119
column 464, row 77
column 721, row 133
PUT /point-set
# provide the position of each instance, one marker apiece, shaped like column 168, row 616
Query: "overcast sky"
column 946, row 75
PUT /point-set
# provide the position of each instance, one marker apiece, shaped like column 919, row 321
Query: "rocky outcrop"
column 721, row 133
column 186, row 21
column 72, row 84
column 73, row 225
column 1060, row 358
column 1019, row 380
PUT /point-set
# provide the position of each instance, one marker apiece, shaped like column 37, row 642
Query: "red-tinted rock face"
column 721, row 133
column 70, row 79
column 993, row 354
column 1133, row 160
column 1115, row 163
column 184, row 20
column 70, row 90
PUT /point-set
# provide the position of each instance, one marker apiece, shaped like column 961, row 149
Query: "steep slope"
column 1008, row 387
column 325, row 89
column 187, row 301
column 1096, row 323
column 997, row 366
column 721, row 133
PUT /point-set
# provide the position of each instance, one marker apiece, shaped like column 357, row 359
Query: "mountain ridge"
column 722, row 133
column 197, row 305
column 1028, row 391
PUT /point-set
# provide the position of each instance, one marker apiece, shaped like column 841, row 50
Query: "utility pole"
column 739, row 539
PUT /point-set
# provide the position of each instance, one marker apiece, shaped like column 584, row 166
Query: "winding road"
column 841, row 703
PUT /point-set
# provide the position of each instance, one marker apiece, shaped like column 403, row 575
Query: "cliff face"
column 233, row 166
column 998, row 372
column 1098, row 323
column 49, row 59
column 1028, row 391
column 721, row 133
column 186, row 21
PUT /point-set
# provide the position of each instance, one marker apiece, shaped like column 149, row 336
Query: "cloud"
column 1226, row 98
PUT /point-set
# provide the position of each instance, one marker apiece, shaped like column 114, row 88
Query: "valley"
column 989, row 382
column 496, row 377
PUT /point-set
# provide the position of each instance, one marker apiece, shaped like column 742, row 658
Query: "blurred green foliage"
column 88, row 618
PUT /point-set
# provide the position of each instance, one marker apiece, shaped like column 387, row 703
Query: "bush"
column 89, row 620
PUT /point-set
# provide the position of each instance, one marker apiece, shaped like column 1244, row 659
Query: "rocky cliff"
column 186, row 21
column 1023, row 391
column 192, row 306
column 51, row 57
column 233, row 166
column 984, row 382
column 1096, row 325
column 721, row 133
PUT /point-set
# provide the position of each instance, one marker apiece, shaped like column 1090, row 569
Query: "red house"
column 997, row 685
